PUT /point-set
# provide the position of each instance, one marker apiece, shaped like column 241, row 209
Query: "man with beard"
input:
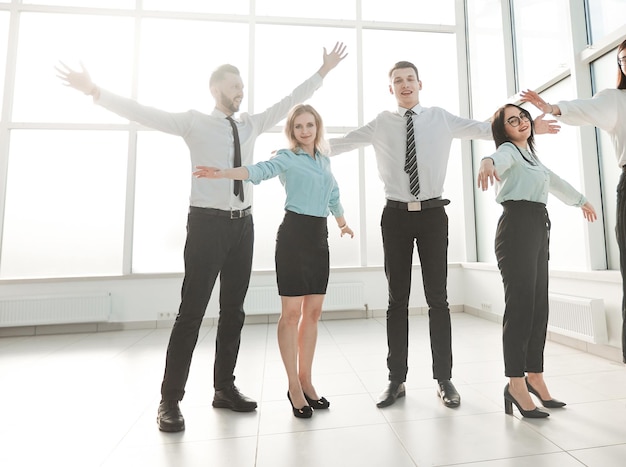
column 220, row 231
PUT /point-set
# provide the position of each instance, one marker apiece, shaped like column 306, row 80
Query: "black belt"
column 418, row 205
column 233, row 214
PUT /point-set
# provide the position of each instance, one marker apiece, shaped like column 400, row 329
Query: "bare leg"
column 307, row 339
column 519, row 391
column 537, row 382
column 288, row 345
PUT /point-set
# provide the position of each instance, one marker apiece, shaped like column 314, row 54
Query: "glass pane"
column 269, row 202
column 65, row 204
column 486, row 49
column 126, row 4
column 567, row 235
column 541, row 40
column 174, row 68
column 39, row 94
column 274, row 79
column 606, row 16
column 346, row 9
column 240, row 7
column 604, row 76
column 4, row 37
column 163, row 184
column 417, row 11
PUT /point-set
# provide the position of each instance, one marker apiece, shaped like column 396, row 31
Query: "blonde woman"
column 302, row 258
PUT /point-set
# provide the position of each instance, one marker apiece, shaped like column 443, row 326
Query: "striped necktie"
column 238, row 184
column 410, row 163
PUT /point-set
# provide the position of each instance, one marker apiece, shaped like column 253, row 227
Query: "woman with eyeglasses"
column 521, row 244
column 606, row 110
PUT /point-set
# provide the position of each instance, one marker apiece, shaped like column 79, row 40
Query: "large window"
column 90, row 194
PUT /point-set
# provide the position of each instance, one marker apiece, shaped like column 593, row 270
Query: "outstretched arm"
column 332, row 59
column 79, row 80
column 237, row 173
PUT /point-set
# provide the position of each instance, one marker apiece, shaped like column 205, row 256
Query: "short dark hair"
column 404, row 64
column 499, row 132
column 621, row 77
column 220, row 73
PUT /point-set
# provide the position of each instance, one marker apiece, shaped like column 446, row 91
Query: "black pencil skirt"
column 302, row 263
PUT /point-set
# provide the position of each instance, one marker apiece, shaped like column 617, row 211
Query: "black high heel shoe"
column 304, row 412
column 509, row 400
column 550, row 403
column 317, row 404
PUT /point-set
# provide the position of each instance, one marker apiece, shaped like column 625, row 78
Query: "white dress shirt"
column 210, row 138
column 434, row 130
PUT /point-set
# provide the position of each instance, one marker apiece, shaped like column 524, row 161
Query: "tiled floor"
column 90, row 400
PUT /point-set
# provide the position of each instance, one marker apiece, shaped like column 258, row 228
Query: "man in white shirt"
column 220, row 231
column 420, row 219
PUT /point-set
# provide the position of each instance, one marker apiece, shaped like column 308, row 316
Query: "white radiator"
column 578, row 317
column 342, row 296
column 38, row 310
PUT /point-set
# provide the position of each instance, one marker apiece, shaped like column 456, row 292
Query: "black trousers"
column 401, row 230
column 522, row 245
column 215, row 246
column 620, row 233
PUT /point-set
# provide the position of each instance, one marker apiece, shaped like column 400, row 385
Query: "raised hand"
column 79, row 80
column 536, row 100
column 543, row 127
column 332, row 59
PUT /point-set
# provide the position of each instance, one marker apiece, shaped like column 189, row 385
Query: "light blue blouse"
column 521, row 180
column 309, row 183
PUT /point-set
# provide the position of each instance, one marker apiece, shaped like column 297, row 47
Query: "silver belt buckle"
column 236, row 214
column 414, row 206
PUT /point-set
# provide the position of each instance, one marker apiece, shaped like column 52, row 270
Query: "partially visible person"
column 302, row 258
column 522, row 251
column 607, row 111
column 412, row 149
column 220, row 212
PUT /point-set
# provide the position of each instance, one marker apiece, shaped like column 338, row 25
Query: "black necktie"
column 410, row 163
column 238, row 185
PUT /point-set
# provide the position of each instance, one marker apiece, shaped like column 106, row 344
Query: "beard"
column 228, row 103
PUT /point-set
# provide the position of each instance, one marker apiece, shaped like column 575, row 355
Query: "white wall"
column 140, row 298
column 484, row 296
column 473, row 287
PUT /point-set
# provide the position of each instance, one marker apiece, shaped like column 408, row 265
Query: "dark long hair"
column 621, row 77
column 499, row 131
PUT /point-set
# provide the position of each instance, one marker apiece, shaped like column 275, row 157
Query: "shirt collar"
column 301, row 152
column 219, row 114
column 418, row 109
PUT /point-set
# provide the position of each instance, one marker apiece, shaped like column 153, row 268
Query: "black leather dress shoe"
column 394, row 390
column 232, row 399
column 448, row 394
column 169, row 417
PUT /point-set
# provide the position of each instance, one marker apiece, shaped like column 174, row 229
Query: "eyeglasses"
column 621, row 61
column 515, row 121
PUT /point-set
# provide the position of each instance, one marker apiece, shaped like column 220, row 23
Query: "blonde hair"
column 320, row 143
